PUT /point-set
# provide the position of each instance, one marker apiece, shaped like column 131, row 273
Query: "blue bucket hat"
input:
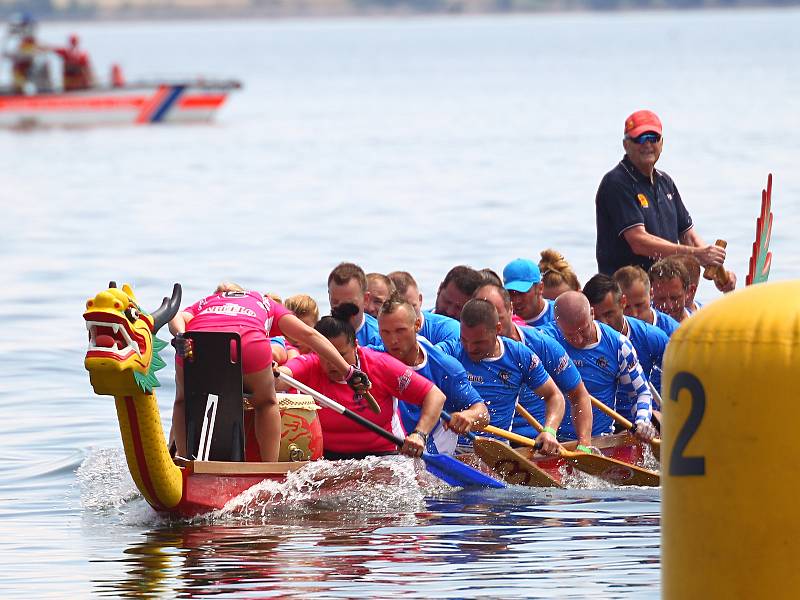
column 521, row 274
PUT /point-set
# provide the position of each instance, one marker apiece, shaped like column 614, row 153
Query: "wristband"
column 582, row 448
column 421, row 434
column 549, row 430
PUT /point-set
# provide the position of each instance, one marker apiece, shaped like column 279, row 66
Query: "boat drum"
column 730, row 486
column 301, row 432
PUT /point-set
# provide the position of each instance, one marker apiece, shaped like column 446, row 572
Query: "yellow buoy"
column 731, row 491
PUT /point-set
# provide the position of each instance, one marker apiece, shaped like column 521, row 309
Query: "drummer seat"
column 213, row 396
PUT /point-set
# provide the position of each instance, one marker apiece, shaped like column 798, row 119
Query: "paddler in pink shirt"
column 255, row 318
column 391, row 380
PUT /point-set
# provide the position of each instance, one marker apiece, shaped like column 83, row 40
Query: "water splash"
column 372, row 486
column 649, row 460
column 576, row 479
column 104, row 480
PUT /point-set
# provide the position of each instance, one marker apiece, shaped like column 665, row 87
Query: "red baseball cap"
column 641, row 122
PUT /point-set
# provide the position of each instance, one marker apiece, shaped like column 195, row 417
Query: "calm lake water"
column 410, row 144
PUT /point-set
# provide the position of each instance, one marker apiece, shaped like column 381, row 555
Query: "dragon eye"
column 132, row 313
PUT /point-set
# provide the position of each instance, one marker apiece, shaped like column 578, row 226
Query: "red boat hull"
column 209, row 486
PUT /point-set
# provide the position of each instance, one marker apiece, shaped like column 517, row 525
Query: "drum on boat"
column 301, row 432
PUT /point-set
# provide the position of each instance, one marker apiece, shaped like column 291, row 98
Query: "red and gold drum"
column 301, row 433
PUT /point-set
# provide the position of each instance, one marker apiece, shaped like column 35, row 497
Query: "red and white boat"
column 136, row 103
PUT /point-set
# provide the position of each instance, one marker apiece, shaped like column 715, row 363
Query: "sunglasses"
column 653, row 138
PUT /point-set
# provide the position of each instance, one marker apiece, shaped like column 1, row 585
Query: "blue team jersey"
column 650, row 343
column 558, row 365
column 664, row 322
column 499, row 380
column 439, row 328
column 698, row 305
column 449, row 376
column 605, row 365
column 546, row 316
column 367, row 334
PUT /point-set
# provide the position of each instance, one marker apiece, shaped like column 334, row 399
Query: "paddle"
column 654, row 444
column 446, row 468
column 499, row 432
column 601, row 466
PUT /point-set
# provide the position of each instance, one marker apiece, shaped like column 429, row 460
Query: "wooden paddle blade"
column 455, row 472
column 655, row 446
column 612, row 470
column 511, row 465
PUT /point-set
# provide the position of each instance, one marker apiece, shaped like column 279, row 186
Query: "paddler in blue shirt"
column 635, row 285
column 523, row 280
column 380, row 287
column 347, row 284
column 669, row 285
column 499, row 368
column 435, row 327
column 456, row 288
column 606, row 360
column 556, row 362
column 398, row 324
column 692, row 266
column 650, row 342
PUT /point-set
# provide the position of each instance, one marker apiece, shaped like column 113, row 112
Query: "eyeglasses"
column 653, row 138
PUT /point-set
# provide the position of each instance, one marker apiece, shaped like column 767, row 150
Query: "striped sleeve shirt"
column 632, row 381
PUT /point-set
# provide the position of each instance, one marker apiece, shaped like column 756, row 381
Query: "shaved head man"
column 605, row 359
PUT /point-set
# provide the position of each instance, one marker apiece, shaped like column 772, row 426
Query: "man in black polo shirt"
column 640, row 214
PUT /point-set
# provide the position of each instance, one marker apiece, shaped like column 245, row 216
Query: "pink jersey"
column 518, row 320
column 237, row 309
column 391, row 380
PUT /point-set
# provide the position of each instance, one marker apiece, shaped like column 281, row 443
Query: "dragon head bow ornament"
column 122, row 357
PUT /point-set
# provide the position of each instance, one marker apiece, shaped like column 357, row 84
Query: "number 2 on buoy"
column 680, row 464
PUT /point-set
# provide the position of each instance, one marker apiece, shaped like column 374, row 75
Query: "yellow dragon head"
column 122, row 357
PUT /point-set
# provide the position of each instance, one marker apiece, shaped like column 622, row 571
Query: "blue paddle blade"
column 454, row 472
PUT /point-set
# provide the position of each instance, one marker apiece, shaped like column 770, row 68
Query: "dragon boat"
column 122, row 360
column 191, row 101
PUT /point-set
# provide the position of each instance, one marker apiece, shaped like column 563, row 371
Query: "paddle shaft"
column 376, row 408
column 538, row 426
column 446, row 416
column 597, row 464
column 611, row 413
column 622, row 420
column 446, row 468
column 513, row 437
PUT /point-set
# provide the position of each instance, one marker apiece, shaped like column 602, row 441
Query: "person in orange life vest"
column 77, row 74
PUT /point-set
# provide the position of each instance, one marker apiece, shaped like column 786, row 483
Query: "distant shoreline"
column 376, row 8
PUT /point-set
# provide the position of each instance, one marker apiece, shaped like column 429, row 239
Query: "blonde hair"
column 274, row 296
column 627, row 276
column 303, row 305
column 692, row 266
column 557, row 271
column 228, row 286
